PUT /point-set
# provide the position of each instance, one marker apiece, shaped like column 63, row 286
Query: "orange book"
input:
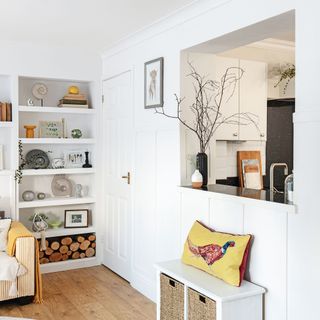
column 3, row 112
column 9, row 111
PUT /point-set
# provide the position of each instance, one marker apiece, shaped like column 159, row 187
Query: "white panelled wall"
column 157, row 144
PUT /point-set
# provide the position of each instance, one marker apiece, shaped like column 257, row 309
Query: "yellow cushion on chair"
column 223, row 255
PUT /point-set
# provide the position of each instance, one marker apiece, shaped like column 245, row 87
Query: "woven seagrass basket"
column 200, row 307
column 172, row 299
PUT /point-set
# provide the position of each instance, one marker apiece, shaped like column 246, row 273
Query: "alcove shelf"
column 56, row 141
column 6, row 124
column 56, row 110
column 50, row 233
column 43, row 172
column 55, row 202
column 69, row 265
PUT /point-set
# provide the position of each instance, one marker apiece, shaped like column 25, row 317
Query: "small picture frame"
column 74, row 159
column 76, row 218
column 51, row 129
column 153, row 83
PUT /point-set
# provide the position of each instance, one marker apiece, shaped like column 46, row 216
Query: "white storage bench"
column 186, row 293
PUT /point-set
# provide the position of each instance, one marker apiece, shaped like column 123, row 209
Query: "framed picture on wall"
column 76, row 218
column 153, row 83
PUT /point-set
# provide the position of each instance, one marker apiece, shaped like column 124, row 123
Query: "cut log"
column 74, row 246
column 64, row 249
column 85, row 245
column 44, row 260
column 92, row 237
column 90, row 252
column 69, row 253
column 66, row 241
column 80, row 239
column 82, row 255
column 65, row 257
column 49, row 251
column 41, row 254
column 76, row 255
column 55, row 245
column 55, row 257
column 93, row 245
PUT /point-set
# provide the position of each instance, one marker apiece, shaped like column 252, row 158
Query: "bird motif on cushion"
column 210, row 252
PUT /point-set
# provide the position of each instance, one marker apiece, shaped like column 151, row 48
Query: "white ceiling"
column 83, row 23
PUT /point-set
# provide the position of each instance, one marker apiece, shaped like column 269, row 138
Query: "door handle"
column 127, row 177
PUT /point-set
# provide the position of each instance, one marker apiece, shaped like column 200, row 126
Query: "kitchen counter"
column 260, row 197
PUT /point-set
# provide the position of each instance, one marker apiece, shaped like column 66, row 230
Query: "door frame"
column 103, row 79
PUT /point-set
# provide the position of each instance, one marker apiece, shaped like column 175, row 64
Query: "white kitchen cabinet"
column 218, row 67
column 249, row 98
column 253, row 99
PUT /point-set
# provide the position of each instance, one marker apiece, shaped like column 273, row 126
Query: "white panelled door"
column 117, row 124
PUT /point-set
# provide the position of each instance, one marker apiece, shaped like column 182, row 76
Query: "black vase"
column 87, row 164
column 202, row 165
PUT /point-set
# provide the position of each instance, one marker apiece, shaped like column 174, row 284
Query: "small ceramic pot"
column 197, row 179
column 41, row 196
column 76, row 133
column 28, row 195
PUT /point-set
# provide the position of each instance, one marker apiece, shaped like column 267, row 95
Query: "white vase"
column 197, row 179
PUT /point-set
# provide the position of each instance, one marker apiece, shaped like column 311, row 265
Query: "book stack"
column 5, row 111
column 74, row 101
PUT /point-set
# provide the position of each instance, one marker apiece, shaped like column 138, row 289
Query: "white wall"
column 156, row 202
column 44, row 61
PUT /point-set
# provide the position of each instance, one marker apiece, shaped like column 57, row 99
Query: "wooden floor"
column 85, row 294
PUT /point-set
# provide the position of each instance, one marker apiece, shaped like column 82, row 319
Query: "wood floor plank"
column 86, row 294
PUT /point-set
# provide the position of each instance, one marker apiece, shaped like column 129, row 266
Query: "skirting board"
column 147, row 288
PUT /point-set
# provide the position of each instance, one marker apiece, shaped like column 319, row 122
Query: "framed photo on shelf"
column 76, row 218
column 153, row 83
column 74, row 159
column 51, row 129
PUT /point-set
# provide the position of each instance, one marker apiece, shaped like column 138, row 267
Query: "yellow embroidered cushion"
column 223, row 255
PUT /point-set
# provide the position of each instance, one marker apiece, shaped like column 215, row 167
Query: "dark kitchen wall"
column 279, row 139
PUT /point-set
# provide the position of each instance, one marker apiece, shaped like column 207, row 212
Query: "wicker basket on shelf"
column 200, row 306
column 172, row 299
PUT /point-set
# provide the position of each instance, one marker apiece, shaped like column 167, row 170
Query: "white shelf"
column 205, row 283
column 53, row 202
column 69, row 265
column 47, row 172
column 6, row 172
column 56, row 110
column 6, row 124
column 56, row 141
column 50, row 233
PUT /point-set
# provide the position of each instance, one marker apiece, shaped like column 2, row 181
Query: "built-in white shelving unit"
column 18, row 90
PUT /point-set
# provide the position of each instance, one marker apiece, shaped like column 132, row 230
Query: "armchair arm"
column 25, row 254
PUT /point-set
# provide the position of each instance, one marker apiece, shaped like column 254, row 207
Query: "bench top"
column 207, row 284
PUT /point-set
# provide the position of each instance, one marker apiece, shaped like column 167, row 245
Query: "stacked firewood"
column 64, row 248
